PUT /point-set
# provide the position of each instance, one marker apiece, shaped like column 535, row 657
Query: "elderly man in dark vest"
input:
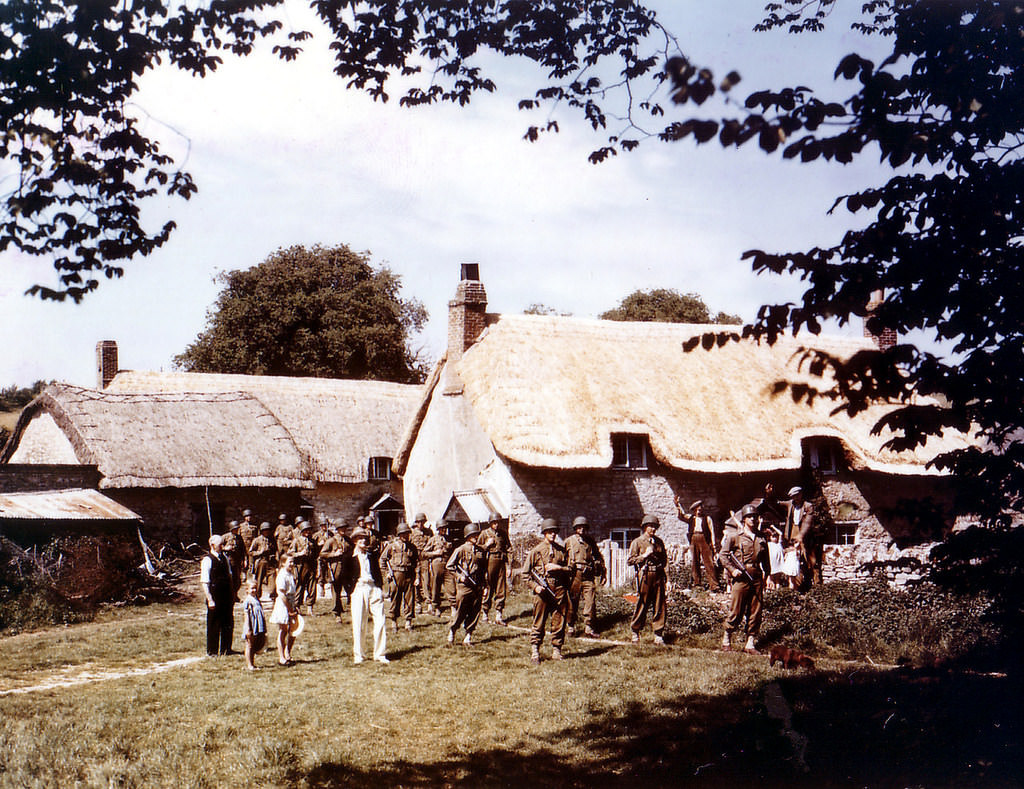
column 218, row 586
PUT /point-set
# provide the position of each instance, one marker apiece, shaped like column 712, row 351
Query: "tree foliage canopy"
column 323, row 312
column 81, row 166
column 945, row 234
column 666, row 305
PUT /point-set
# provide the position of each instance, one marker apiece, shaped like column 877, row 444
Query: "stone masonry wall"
column 30, row 477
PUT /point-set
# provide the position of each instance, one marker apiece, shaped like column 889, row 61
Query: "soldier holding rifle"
column 745, row 558
column 467, row 565
column 547, row 566
column 648, row 555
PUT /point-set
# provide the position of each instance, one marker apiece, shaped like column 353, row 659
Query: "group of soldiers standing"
column 423, row 571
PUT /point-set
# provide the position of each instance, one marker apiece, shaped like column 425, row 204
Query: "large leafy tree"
column 942, row 239
column 666, row 305
column 79, row 166
column 323, row 312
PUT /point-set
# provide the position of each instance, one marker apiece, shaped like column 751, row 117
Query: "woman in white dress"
column 285, row 610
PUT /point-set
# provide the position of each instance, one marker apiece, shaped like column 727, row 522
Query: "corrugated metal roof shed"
column 63, row 505
column 473, row 506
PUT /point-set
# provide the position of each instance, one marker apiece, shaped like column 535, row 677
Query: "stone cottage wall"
column 168, row 513
column 32, row 477
column 615, row 499
column 343, row 502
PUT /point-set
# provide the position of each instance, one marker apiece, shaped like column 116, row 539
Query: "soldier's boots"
column 535, row 653
column 571, row 630
column 499, row 619
column 726, row 642
column 408, row 625
column 750, row 648
column 468, row 640
column 635, row 638
column 451, row 636
column 394, row 626
column 556, row 653
column 483, row 616
column 590, row 632
column 659, row 640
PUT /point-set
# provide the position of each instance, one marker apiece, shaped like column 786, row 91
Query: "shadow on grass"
column 830, row 730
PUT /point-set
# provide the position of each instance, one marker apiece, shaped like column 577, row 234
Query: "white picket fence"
column 621, row 574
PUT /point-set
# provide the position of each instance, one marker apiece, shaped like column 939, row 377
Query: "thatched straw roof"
column 336, row 424
column 165, row 440
column 550, row 391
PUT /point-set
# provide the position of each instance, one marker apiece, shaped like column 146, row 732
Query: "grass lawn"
column 610, row 714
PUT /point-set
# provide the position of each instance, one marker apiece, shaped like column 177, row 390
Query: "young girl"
column 285, row 610
column 255, row 628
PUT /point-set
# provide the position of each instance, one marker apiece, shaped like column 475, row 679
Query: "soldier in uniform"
column 648, row 556
column 398, row 562
column 701, row 534
column 264, row 560
column 587, row 567
column 800, row 529
column 304, row 552
column 420, row 535
column 748, row 551
column 467, row 566
column 235, row 551
column 437, row 551
column 247, row 531
column 333, row 554
column 283, row 536
column 495, row 542
column 547, row 567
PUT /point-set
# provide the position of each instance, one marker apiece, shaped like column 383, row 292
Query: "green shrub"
column 872, row 621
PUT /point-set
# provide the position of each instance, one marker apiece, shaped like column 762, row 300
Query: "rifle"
column 542, row 582
column 466, row 577
column 736, row 564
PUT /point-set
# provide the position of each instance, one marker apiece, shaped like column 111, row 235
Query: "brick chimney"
column 467, row 317
column 106, row 362
column 467, row 312
column 888, row 337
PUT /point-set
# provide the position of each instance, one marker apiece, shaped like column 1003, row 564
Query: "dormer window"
column 380, row 469
column 629, row 451
column 823, row 455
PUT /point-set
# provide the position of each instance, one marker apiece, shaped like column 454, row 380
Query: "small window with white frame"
column 623, row 537
column 380, row 468
column 844, row 533
column 629, row 451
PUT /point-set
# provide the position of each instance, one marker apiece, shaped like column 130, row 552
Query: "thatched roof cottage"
column 181, row 448
column 560, row 416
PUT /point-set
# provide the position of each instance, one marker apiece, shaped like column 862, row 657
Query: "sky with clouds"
column 283, row 154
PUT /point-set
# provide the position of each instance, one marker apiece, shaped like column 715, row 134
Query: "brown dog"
column 789, row 658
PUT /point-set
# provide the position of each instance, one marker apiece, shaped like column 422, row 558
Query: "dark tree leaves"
column 944, row 241
column 323, row 312
column 80, row 168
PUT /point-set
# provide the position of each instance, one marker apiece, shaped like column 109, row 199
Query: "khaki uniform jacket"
column 262, row 548
column 495, row 542
column 399, row 556
column 751, row 551
column 471, row 561
column 544, row 553
column 437, row 547
column 657, row 560
column 419, row 538
column 283, row 538
column 584, row 554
